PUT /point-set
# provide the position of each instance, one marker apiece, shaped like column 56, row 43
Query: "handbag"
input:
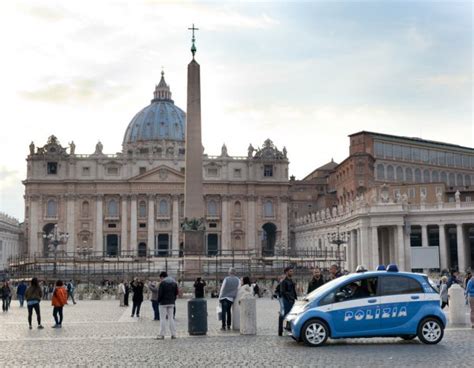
column 219, row 312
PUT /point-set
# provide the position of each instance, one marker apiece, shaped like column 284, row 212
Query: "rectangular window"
column 424, row 155
column 237, row 173
column 212, row 171
column 378, row 149
column 86, row 171
column 457, row 160
column 142, row 225
column 268, row 170
column 442, row 158
column 449, row 159
column 406, row 152
column 415, row 153
column 52, row 168
column 465, row 162
column 388, row 150
column 142, row 170
column 112, row 171
column 397, row 151
column 433, row 157
column 112, row 226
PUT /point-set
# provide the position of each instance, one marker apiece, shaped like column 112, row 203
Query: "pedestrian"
column 33, row 297
column 334, row 272
column 453, row 278
column 6, row 295
column 199, row 286
column 227, row 295
column 316, row 281
column 167, row 293
column 70, row 291
column 121, row 293
column 137, row 288
column 464, row 284
column 288, row 291
column 443, row 292
column 244, row 291
column 126, row 295
column 256, row 290
column 154, row 288
column 470, row 294
column 58, row 301
column 20, row 293
column 45, row 290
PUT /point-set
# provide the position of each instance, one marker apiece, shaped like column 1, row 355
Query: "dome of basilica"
column 161, row 120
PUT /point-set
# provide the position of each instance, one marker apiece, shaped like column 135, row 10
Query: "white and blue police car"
column 370, row 304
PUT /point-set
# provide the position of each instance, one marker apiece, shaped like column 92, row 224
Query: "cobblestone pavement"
column 100, row 333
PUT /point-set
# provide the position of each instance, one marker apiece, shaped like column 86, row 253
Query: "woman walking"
column 137, row 287
column 33, row 297
column 443, row 292
column 58, row 301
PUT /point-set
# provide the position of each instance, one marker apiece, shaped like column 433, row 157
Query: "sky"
column 304, row 74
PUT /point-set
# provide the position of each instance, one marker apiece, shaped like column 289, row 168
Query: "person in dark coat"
column 316, row 281
column 167, row 293
column 288, row 291
column 199, row 286
column 137, row 288
column 127, row 294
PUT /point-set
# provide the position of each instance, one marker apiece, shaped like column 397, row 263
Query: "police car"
column 370, row 304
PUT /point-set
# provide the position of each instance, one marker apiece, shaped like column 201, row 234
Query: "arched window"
column 390, row 173
column 112, row 208
column 212, row 208
column 435, row 177
column 268, row 208
column 399, row 173
column 52, row 208
column 164, row 208
column 142, row 209
column 444, row 177
column 459, row 180
column 467, row 180
column 451, row 180
column 85, row 209
column 237, row 209
column 380, row 172
column 417, row 176
column 409, row 175
column 426, row 176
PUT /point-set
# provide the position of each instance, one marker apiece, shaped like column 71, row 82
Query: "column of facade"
column 251, row 225
column 424, row 241
column 461, row 248
column 284, row 222
column 33, row 217
column 175, row 226
column 71, row 245
column 133, row 224
column 225, row 235
column 407, row 241
column 375, row 247
column 443, row 248
column 124, row 243
column 364, row 246
column 99, row 224
column 151, row 225
column 400, row 245
column 392, row 245
column 353, row 250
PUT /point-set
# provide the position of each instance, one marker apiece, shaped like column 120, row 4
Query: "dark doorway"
column 47, row 229
column 112, row 245
column 269, row 239
column 142, row 249
column 212, row 245
column 415, row 236
column 163, row 245
column 452, row 246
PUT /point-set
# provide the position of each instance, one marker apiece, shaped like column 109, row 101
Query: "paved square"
column 100, row 333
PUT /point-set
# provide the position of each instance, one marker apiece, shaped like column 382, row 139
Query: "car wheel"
column 408, row 337
column 430, row 331
column 314, row 332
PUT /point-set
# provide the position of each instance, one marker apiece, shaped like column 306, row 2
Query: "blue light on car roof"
column 392, row 268
column 381, row 268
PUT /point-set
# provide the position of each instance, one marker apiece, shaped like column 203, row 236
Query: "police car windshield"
column 328, row 285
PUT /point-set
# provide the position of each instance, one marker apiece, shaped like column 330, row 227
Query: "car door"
column 401, row 299
column 354, row 315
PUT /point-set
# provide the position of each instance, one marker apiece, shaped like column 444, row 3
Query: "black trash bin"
column 197, row 316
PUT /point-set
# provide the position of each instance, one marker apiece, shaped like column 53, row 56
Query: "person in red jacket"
column 59, row 300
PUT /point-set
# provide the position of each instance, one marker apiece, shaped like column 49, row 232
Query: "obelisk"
column 193, row 226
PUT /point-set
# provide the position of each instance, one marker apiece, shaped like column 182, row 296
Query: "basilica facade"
column 132, row 202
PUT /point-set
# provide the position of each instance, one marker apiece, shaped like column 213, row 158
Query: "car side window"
column 357, row 289
column 396, row 285
column 328, row 299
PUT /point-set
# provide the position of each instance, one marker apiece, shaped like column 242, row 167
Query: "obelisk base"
column 193, row 251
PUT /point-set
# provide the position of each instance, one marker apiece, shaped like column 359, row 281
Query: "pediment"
column 162, row 173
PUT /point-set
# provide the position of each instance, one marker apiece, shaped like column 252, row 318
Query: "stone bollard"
column 248, row 316
column 457, row 307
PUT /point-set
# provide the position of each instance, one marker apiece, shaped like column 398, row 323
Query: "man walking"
column 316, row 281
column 227, row 295
column 288, row 291
column 70, row 291
column 20, row 292
column 167, row 293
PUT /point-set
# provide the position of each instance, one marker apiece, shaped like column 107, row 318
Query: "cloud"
column 446, row 80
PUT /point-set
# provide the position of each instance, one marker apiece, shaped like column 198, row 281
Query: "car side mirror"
column 340, row 296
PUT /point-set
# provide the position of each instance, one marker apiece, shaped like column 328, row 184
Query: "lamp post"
column 338, row 239
column 54, row 238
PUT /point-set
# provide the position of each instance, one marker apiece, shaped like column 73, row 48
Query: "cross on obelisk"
column 193, row 46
